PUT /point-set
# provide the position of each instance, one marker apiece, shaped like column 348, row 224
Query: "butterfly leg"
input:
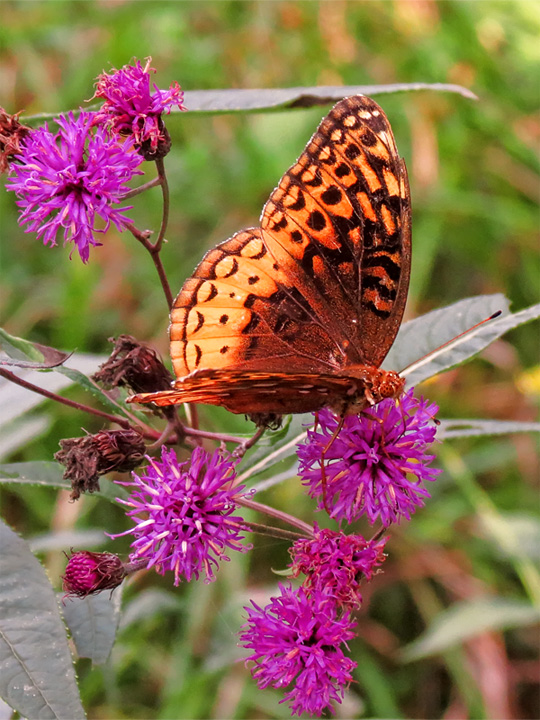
column 323, row 457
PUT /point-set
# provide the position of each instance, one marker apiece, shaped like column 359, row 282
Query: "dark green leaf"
column 37, row 678
column 92, row 622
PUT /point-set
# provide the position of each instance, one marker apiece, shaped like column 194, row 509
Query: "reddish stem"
column 278, row 514
column 123, row 422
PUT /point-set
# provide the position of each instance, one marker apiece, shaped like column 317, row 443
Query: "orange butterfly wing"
column 318, row 289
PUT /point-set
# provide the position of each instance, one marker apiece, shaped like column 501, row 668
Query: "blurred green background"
column 475, row 185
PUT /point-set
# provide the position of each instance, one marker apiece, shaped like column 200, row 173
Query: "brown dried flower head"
column 88, row 457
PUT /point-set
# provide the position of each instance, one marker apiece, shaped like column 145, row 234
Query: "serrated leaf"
column 37, row 678
column 465, row 620
column 219, row 101
column 471, row 428
column 38, row 472
column 421, row 337
column 93, row 622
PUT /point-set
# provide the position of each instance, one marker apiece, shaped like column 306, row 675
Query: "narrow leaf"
column 470, row 428
column 37, row 678
column 425, row 336
column 465, row 620
column 219, row 101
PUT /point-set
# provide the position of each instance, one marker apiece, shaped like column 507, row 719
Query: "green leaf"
column 471, row 428
column 465, row 620
column 39, row 472
column 41, row 357
column 37, row 678
column 16, row 347
column 93, row 622
column 240, row 100
column 256, row 100
column 424, row 337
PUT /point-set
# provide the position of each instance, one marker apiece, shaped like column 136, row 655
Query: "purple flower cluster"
column 297, row 639
column 184, row 514
column 130, row 108
column 68, row 179
column 377, row 463
column 335, row 564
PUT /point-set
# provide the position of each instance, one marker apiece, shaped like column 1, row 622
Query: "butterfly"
column 299, row 313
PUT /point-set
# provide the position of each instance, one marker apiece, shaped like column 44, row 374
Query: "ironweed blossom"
column 297, row 639
column 130, row 108
column 184, row 514
column 335, row 563
column 65, row 180
column 377, row 463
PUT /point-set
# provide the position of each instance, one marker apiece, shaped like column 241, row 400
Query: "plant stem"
column 278, row 514
column 271, row 531
column 144, row 238
column 160, row 165
column 146, row 186
column 123, row 422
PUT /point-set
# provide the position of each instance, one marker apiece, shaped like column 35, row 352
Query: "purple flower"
column 184, row 514
column 130, row 108
column 376, row 465
column 65, row 180
column 335, row 563
column 297, row 638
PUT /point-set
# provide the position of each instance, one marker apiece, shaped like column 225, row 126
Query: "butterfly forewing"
column 318, row 288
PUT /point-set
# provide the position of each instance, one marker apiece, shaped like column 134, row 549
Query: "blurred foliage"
column 475, row 189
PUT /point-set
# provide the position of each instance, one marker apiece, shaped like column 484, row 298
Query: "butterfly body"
column 299, row 313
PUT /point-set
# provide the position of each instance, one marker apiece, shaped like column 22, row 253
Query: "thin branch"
column 271, row 531
column 144, row 238
column 162, row 176
column 142, row 188
column 278, row 514
column 123, row 422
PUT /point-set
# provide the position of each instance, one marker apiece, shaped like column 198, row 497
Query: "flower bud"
column 88, row 573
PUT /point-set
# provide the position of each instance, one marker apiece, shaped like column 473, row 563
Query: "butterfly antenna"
column 454, row 341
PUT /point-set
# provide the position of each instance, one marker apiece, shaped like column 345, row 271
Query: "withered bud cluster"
column 135, row 366
column 88, row 573
column 86, row 458
column 12, row 132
